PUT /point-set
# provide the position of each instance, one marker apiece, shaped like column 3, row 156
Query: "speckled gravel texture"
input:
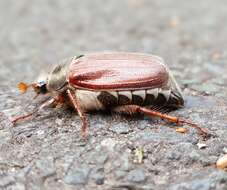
column 48, row 152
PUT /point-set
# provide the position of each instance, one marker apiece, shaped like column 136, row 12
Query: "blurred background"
column 190, row 35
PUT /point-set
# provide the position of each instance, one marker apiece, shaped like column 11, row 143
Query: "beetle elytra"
column 120, row 82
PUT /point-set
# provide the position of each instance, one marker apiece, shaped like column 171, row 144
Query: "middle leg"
column 74, row 101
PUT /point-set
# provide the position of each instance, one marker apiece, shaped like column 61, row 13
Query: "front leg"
column 73, row 99
column 47, row 103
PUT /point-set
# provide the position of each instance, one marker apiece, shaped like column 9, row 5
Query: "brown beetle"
column 119, row 82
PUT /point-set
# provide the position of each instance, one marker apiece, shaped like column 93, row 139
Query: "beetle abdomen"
column 105, row 100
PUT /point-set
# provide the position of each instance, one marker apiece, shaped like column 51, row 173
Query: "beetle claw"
column 206, row 135
column 84, row 127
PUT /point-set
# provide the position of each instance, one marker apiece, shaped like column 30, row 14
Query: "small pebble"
column 139, row 156
column 181, row 130
column 174, row 22
column 201, row 145
column 225, row 150
column 216, row 55
column 222, row 162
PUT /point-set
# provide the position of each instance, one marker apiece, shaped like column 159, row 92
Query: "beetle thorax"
column 57, row 78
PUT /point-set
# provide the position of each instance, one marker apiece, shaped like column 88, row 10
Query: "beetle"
column 120, row 82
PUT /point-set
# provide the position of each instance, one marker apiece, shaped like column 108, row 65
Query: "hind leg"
column 131, row 109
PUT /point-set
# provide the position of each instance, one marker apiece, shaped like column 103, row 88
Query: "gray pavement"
column 48, row 151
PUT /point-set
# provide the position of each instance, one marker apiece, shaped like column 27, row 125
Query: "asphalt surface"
column 48, row 152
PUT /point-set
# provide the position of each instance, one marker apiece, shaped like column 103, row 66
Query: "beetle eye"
column 42, row 87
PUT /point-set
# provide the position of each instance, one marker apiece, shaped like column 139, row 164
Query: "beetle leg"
column 77, row 107
column 131, row 109
column 43, row 105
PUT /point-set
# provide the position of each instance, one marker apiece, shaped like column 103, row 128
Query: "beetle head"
column 38, row 87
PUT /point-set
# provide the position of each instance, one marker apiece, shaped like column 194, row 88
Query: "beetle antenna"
column 23, row 87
